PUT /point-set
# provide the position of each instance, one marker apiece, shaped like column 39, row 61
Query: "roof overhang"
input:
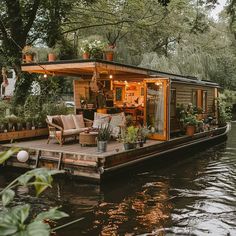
column 85, row 69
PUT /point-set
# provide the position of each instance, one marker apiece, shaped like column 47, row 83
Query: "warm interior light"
column 110, row 76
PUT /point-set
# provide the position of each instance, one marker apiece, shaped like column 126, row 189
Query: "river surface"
column 195, row 194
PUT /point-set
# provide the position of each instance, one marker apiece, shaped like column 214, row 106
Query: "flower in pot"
column 129, row 137
column 96, row 49
column 104, row 134
column 190, row 122
column 28, row 53
column 85, row 48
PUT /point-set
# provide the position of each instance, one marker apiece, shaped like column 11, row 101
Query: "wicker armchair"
column 62, row 127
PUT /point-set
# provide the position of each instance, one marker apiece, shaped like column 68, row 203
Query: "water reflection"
column 192, row 195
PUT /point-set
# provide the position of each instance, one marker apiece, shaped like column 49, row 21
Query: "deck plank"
column 72, row 147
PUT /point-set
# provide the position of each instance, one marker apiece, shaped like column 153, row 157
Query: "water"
column 192, row 195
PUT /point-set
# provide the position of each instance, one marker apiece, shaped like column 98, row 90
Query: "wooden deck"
column 72, row 147
column 86, row 162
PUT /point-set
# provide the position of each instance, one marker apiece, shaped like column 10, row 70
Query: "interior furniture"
column 63, row 126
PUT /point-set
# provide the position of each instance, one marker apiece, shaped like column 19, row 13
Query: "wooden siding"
column 81, row 88
column 184, row 94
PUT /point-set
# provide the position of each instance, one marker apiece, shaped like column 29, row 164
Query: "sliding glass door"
column 156, row 108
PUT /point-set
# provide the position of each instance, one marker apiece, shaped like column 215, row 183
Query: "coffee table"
column 88, row 138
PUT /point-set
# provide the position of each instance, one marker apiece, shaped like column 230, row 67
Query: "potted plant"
column 2, row 124
column 53, row 53
column 12, row 120
column 143, row 133
column 85, row 48
column 90, row 103
column 104, row 134
column 109, row 52
column 96, row 48
column 28, row 53
column 129, row 137
column 190, row 122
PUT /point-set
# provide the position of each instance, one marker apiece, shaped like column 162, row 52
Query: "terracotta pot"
column 109, row 56
column 51, row 57
column 190, row 130
column 28, row 58
column 86, row 55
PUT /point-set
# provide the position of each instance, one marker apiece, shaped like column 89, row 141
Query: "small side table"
column 88, row 138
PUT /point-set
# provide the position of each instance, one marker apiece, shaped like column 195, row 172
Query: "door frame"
column 166, row 82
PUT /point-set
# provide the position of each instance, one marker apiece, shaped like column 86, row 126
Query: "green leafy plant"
column 225, row 111
column 104, row 133
column 129, row 135
column 190, row 120
column 16, row 220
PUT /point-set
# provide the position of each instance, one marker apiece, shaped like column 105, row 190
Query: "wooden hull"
column 88, row 164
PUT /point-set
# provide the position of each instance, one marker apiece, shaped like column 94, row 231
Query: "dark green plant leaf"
column 7, row 154
column 40, row 186
column 7, row 196
column 8, row 229
column 52, row 214
column 20, row 212
column 38, row 228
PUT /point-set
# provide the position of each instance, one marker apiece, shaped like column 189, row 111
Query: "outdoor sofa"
column 64, row 126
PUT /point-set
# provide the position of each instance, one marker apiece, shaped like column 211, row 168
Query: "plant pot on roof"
column 96, row 49
column 53, row 54
column 109, row 52
column 28, row 53
column 85, row 48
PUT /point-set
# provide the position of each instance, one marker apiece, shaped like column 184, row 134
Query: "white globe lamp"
column 22, row 156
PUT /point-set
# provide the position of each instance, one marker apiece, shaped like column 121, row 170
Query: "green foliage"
column 129, row 134
column 190, row 120
column 224, row 109
column 16, row 220
column 6, row 155
column 104, row 133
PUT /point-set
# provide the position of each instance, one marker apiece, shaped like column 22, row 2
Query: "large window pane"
column 155, row 107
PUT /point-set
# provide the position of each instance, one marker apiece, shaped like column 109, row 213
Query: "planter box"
column 23, row 134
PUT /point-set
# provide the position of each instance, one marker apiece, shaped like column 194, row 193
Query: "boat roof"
column 119, row 71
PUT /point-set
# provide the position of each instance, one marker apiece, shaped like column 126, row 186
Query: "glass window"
column 194, row 98
column 173, row 102
column 204, row 101
column 155, row 107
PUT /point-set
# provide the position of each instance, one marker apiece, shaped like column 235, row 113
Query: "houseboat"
column 151, row 98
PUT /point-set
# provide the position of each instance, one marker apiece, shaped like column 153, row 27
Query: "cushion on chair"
column 57, row 121
column 49, row 118
column 79, row 121
column 73, row 131
column 68, row 122
column 117, row 121
column 100, row 120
